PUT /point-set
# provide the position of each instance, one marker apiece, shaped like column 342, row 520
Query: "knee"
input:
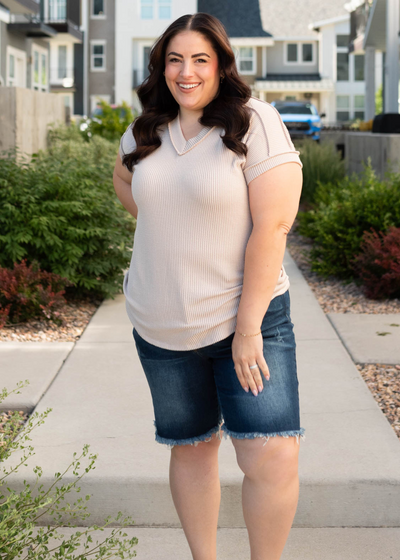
column 276, row 461
column 203, row 451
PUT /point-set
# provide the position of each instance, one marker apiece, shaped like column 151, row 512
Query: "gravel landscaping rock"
column 337, row 296
column 74, row 315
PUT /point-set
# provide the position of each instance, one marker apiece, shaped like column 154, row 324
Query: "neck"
column 189, row 116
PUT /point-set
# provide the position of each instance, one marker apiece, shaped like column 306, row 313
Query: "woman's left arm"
column 274, row 201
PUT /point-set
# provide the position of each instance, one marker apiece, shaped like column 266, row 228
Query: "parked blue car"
column 301, row 118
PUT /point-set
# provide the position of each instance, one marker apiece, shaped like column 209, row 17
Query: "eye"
column 173, row 59
column 202, row 59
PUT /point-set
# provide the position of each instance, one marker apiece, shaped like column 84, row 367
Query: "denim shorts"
column 196, row 393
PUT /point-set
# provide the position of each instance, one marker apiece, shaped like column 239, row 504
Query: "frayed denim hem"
column 189, row 441
column 252, row 435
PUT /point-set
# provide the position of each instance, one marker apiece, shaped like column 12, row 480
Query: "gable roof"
column 291, row 18
column 241, row 18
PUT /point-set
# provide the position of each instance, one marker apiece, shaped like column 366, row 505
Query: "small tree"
column 20, row 511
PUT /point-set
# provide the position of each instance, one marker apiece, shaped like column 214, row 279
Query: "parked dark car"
column 301, row 118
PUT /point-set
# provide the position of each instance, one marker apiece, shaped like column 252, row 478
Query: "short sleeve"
column 268, row 141
column 127, row 144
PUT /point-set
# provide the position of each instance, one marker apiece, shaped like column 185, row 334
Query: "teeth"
column 187, row 86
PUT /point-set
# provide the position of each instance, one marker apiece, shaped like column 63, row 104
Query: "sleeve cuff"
column 257, row 169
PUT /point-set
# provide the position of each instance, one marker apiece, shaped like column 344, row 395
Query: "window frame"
column 98, row 16
column 95, row 43
column 253, row 59
column 16, row 53
column 38, row 86
column 300, row 61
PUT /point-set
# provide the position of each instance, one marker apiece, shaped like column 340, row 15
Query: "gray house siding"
column 276, row 65
column 102, row 83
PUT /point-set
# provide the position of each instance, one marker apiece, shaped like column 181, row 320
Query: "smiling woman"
column 214, row 180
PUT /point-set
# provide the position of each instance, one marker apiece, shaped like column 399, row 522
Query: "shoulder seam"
column 284, row 130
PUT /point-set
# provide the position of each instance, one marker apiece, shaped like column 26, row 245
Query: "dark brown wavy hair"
column 227, row 110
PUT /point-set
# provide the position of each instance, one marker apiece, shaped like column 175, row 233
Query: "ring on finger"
column 252, row 367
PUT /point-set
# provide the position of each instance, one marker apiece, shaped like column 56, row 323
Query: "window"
column 343, row 107
column 342, row 40
column 299, row 53
column 39, row 69
column 15, row 67
column 359, row 67
column 36, row 70
column 359, row 107
column 245, row 60
column 146, row 9
column 62, row 62
column 11, row 69
column 57, row 10
column 307, row 52
column 98, row 56
column 98, row 8
column 292, row 52
column 44, row 71
column 164, row 9
column 342, row 67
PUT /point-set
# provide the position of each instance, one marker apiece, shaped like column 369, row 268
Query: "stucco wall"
column 24, row 118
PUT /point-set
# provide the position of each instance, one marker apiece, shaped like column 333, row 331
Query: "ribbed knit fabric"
column 185, row 279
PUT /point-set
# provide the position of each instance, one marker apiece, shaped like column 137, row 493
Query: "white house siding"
column 133, row 35
column 349, row 88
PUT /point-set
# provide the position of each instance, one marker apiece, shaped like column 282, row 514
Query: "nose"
column 186, row 69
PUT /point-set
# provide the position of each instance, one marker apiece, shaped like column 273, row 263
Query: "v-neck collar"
column 181, row 145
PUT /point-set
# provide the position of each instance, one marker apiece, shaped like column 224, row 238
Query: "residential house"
column 139, row 23
column 375, row 30
column 99, row 56
column 41, row 47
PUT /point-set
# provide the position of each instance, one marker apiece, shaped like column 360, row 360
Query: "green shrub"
column 342, row 214
column 322, row 163
column 20, row 511
column 110, row 123
column 61, row 210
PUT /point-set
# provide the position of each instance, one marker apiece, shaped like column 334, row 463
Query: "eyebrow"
column 193, row 55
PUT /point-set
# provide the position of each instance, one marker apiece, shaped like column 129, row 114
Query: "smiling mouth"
column 188, row 87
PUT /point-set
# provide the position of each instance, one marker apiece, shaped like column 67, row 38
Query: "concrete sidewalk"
column 349, row 463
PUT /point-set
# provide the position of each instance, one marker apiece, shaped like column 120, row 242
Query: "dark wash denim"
column 197, row 392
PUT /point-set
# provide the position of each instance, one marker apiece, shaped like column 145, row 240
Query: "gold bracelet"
column 249, row 334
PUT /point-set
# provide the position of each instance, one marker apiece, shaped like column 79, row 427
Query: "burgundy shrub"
column 26, row 292
column 378, row 264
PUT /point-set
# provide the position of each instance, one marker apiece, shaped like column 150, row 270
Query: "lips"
column 189, row 88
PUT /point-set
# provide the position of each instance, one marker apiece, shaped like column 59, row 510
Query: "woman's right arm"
column 122, row 179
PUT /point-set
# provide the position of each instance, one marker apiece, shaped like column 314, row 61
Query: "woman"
column 214, row 181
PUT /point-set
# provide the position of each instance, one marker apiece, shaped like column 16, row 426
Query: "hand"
column 248, row 351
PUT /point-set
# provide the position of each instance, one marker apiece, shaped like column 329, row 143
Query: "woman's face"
column 191, row 60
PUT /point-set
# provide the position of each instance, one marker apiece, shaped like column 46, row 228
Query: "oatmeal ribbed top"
column 185, row 279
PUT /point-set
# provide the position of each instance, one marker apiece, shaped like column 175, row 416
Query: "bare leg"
column 196, row 492
column 270, row 492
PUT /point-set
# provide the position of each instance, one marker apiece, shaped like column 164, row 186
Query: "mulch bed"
column 74, row 316
column 336, row 296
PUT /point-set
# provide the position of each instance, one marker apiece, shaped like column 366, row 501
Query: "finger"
column 255, row 372
column 249, row 378
column 263, row 367
column 241, row 378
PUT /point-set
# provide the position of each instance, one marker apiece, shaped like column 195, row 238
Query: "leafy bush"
column 26, row 292
column 322, row 163
column 19, row 511
column 342, row 214
column 378, row 264
column 108, row 122
column 60, row 209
